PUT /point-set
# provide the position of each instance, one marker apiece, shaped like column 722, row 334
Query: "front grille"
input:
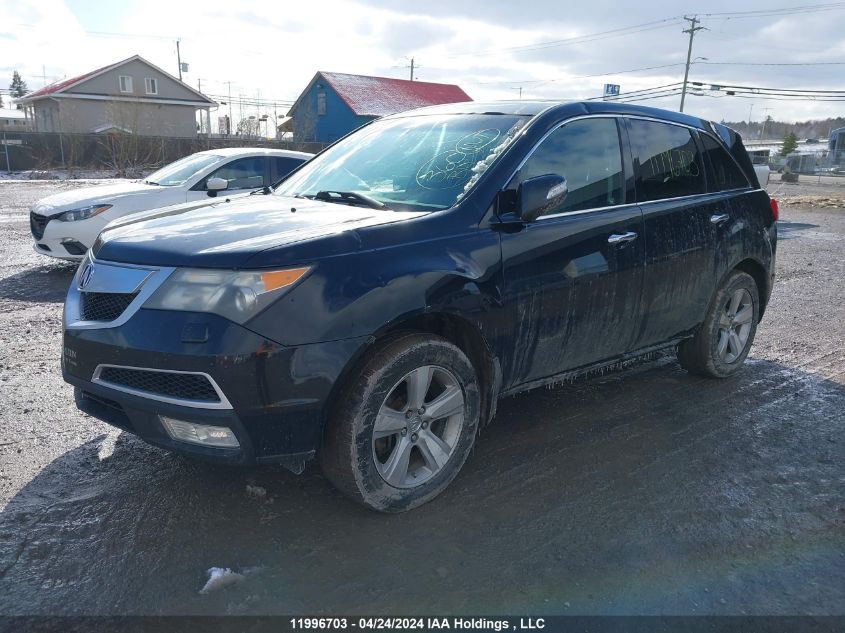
column 180, row 386
column 37, row 224
column 104, row 306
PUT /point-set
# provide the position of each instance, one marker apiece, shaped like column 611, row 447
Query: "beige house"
column 131, row 96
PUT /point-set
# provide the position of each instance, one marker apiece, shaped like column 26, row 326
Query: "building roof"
column 64, row 84
column 12, row 113
column 380, row 96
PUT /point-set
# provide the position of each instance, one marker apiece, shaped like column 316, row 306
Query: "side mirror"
column 213, row 185
column 536, row 196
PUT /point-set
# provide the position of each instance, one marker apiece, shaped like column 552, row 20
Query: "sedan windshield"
column 177, row 173
column 411, row 163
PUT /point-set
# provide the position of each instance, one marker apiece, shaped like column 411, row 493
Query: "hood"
column 228, row 234
column 120, row 193
column 161, row 212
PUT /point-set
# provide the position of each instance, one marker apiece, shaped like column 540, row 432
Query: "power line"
column 708, row 63
column 762, row 13
column 580, row 39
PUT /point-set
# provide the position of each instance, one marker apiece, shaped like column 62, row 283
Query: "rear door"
column 573, row 277
column 682, row 227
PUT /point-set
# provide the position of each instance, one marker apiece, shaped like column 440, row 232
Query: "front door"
column 242, row 175
column 573, row 277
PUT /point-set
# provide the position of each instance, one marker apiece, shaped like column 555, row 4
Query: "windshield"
column 176, row 173
column 411, row 164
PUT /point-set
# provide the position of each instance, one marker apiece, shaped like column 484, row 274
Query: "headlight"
column 237, row 296
column 84, row 213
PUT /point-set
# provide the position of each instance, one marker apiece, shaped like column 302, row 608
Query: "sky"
column 496, row 49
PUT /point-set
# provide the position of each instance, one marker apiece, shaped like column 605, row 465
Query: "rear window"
column 666, row 161
column 724, row 173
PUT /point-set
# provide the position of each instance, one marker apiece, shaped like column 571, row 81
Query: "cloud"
column 273, row 51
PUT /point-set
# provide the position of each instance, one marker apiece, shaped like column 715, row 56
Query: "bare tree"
column 126, row 151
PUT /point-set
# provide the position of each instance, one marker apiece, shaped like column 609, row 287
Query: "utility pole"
column 412, row 69
column 179, row 61
column 692, row 30
column 229, row 127
column 765, row 120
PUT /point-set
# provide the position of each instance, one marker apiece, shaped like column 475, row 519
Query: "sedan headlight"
column 84, row 213
column 237, row 296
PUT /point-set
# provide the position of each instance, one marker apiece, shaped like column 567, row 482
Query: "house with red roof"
column 334, row 104
column 131, row 95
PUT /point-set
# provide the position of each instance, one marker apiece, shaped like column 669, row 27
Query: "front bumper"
column 278, row 396
column 65, row 240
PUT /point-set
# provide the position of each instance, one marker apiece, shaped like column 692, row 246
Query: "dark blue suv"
column 375, row 306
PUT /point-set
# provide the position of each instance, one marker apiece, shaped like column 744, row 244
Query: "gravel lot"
column 646, row 491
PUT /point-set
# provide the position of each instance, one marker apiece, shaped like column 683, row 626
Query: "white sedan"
column 66, row 225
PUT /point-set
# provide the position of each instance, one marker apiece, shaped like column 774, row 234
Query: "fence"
column 121, row 153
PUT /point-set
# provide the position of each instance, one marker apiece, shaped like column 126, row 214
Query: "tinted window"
column 285, row 165
column 666, row 161
column 586, row 153
column 243, row 173
column 724, row 173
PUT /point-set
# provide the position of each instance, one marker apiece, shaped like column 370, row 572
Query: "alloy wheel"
column 735, row 325
column 418, row 426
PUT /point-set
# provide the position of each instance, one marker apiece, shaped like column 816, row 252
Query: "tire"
column 720, row 346
column 376, row 424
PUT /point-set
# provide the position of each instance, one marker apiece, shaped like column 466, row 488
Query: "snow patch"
column 220, row 578
column 256, row 491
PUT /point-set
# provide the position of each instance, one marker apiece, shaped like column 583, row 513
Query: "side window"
column 724, row 173
column 666, row 161
column 243, row 173
column 586, row 153
column 283, row 166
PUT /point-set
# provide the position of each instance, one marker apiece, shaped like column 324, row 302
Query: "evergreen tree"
column 790, row 143
column 18, row 86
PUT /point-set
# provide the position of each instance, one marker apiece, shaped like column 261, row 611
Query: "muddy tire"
column 719, row 348
column 404, row 424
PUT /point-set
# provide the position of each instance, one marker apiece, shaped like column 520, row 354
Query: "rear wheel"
column 719, row 348
column 404, row 425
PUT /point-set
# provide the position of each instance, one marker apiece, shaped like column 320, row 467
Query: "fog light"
column 202, row 434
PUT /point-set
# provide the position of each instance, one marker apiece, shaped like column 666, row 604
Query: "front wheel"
column 405, row 424
column 719, row 348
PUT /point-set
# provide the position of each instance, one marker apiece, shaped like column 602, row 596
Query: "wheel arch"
column 758, row 274
column 455, row 329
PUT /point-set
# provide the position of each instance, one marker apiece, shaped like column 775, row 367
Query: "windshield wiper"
column 150, row 182
column 352, row 198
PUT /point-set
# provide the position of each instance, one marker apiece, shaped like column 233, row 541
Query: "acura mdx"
column 372, row 310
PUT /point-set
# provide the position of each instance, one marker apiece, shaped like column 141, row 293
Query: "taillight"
column 775, row 210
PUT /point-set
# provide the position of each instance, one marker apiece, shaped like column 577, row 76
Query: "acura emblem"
column 85, row 277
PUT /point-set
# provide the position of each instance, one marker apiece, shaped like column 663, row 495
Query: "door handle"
column 622, row 238
column 719, row 218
